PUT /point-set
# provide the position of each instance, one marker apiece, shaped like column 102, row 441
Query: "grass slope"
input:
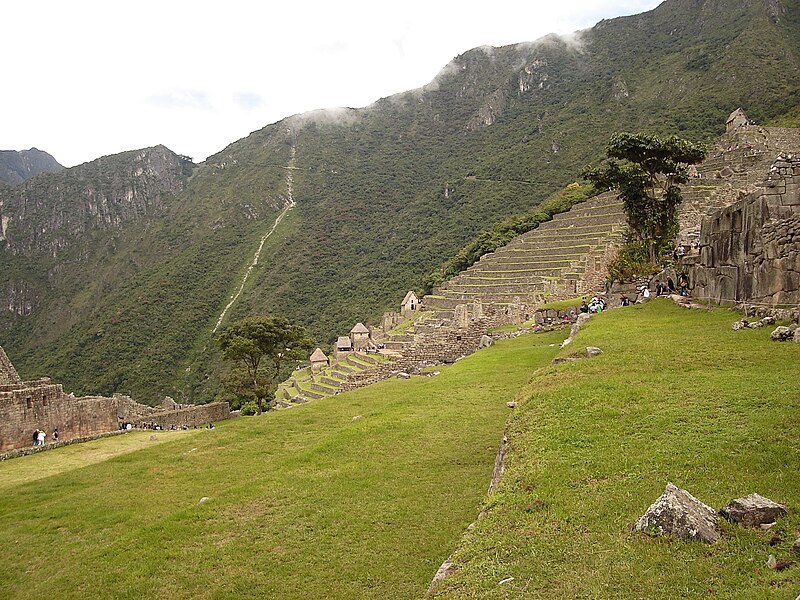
column 676, row 396
column 304, row 503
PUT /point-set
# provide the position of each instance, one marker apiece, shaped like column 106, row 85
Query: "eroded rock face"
column 679, row 513
column 753, row 510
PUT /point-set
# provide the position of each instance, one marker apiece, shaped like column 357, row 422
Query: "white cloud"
column 90, row 78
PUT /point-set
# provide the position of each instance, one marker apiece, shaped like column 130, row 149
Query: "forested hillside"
column 384, row 194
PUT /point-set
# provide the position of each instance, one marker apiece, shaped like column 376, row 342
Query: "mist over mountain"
column 18, row 166
column 115, row 272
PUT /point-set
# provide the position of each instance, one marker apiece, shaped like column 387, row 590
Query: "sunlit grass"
column 358, row 496
column 676, row 396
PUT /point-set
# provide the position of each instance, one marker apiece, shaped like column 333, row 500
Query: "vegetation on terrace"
column 306, row 502
column 310, row 502
column 676, row 396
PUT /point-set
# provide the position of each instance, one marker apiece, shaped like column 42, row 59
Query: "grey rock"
column 204, row 499
column 486, row 341
column 403, row 375
column 768, row 320
column 753, row 510
column 796, row 337
column 511, row 404
column 756, row 325
column 796, row 545
column 358, row 418
column 153, row 437
column 743, row 324
column 772, row 562
column 781, row 334
column 592, row 351
column 679, row 513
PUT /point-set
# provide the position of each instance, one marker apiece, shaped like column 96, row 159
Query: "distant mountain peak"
column 18, row 166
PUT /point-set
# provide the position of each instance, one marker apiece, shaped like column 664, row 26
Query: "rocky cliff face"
column 19, row 166
column 49, row 212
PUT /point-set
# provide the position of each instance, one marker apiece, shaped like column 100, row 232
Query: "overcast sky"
column 83, row 78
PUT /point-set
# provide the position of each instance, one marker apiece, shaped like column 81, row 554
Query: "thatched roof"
column 359, row 328
column 343, row 342
column 318, row 356
column 410, row 296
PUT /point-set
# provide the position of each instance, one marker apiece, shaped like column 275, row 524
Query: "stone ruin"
column 750, row 250
column 26, row 406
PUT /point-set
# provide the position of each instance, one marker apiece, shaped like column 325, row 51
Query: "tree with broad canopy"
column 261, row 347
column 647, row 170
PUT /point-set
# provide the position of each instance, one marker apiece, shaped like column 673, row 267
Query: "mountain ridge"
column 17, row 166
column 384, row 193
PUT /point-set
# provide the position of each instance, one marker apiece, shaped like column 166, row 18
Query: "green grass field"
column 676, row 396
column 310, row 503
column 303, row 503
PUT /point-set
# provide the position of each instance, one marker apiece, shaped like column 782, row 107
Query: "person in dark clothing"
column 683, row 284
column 584, row 308
column 670, row 285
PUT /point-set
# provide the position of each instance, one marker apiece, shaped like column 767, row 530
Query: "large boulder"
column 486, row 341
column 679, row 513
column 753, row 510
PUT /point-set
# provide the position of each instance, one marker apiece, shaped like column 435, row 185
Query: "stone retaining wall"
column 750, row 251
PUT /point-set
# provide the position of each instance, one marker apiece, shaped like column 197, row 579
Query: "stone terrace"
column 553, row 260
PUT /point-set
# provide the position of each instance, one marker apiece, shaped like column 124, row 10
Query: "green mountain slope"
column 384, row 194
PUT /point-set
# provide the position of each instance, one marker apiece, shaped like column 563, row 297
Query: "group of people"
column 124, row 425
column 39, row 437
column 665, row 288
column 595, row 305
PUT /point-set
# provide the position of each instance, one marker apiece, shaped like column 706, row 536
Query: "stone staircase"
column 544, row 263
column 303, row 385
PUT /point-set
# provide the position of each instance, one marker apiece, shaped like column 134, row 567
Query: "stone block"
column 753, row 510
column 679, row 513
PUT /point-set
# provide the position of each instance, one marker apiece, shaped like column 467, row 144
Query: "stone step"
column 311, row 394
column 511, row 288
column 527, row 276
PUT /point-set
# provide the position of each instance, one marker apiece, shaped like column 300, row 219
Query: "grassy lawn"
column 676, row 396
column 302, row 503
column 67, row 458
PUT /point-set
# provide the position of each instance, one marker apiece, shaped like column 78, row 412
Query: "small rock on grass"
column 753, row 511
column 592, row 351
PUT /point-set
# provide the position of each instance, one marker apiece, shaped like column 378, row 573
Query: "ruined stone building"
column 26, row 406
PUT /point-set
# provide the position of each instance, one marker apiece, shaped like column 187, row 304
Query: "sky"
column 85, row 78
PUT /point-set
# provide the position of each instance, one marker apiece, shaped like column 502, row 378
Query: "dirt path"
column 290, row 203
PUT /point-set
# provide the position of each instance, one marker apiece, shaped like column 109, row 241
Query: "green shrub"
column 249, row 409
